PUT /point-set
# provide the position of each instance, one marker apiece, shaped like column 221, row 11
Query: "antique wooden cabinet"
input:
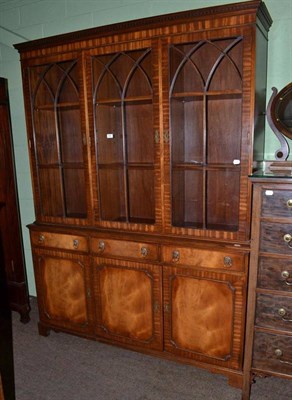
column 269, row 333
column 10, row 223
column 141, row 137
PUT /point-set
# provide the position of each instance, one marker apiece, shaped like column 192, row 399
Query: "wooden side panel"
column 63, row 285
column 129, row 298
column 204, row 316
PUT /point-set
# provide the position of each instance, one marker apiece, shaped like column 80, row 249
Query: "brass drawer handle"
column 289, row 203
column 286, row 276
column 75, row 243
column 144, row 251
column 288, row 238
column 175, row 256
column 227, row 261
column 282, row 312
column 41, row 238
column 101, row 246
column 279, row 353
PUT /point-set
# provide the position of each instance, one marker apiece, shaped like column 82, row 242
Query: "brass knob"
column 287, row 237
column 282, row 312
column 175, row 256
column 228, row 261
column 101, row 246
column 144, row 251
column 75, row 243
column 285, row 274
column 289, row 203
column 278, row 353
column 41, row 239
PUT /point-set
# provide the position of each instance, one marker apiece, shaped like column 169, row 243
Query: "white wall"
column 22, row 20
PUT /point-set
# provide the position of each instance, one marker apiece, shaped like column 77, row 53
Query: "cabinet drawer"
column 124, row 249
column 275, row 273
column 203, row 258
column 59, row 241
column 274, row 312
column 276, row 238
column 273, row 353
column 277, row 203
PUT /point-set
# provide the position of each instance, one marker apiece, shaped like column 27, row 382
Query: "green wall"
column 22, row 20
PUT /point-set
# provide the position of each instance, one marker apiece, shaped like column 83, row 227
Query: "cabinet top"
column 254, row 7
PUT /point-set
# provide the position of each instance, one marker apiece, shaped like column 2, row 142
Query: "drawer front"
column 275, row 273
column 124, row 249
column 276, row 238
column 59, row 241
column 277, row 203
column 203, row 258
column 273, row 353
column 274, row 312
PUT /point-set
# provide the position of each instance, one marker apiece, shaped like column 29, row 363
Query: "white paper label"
column 269, row 192
column 110, row 135
column 236, row 162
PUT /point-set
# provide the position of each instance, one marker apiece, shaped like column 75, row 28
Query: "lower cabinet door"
column 128, row 302
column 63, row 289
column 204, row 315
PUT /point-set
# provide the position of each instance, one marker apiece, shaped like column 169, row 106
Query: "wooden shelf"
column 119, row 102
column 53, row 107
column 199, row 95
column 201, row 166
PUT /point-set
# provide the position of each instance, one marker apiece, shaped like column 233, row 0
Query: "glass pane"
column 223, row 200
column 71, row 136
column 224, row 129
column 139, row 128
column 141, row 196
column 51, row 192
column 227, row 69
column 112, row 194
column 69, row 85
column 109, row 133
column 184, row 74
column 75, row 199
column 45, row 137
column 187, row 198
column 140, row 76
column 122, row 90
column 187, row 130
column 54, row 89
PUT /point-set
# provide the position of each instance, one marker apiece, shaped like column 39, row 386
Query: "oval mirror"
column 282, row 113
column 279, row 115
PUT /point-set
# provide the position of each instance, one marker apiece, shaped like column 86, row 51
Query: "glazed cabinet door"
column 57, row 139
column 124, row 97
column 63, row 282
column 128, row 308
column 204, row 315
column 206, row 133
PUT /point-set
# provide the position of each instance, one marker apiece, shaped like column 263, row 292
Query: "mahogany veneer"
column 141, row 141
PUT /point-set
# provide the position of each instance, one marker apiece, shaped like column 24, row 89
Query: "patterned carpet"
column 61, row 367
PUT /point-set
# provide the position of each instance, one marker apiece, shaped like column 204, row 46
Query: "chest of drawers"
column 268, row 349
